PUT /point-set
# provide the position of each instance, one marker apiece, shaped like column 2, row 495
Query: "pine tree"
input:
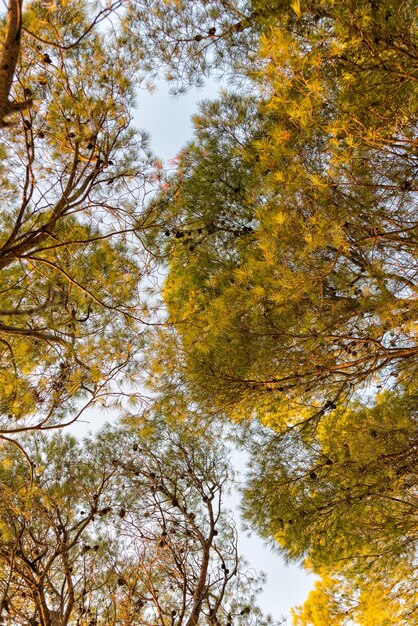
column 126, row 527
column 292, row 270
column 71, row 260
column 289, row 234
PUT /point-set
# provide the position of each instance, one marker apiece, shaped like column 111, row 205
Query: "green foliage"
column 300, row 285
column 357, row 465
column 188, row 41
column 71, row 260
column 341, row 496
column 122, row 528
column 290, row 236
column 289, row 229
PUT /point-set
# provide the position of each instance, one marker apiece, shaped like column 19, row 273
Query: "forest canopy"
column 290, row 239
column 285, row 233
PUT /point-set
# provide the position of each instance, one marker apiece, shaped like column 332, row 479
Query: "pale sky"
column 168, row 121
column 169, row 124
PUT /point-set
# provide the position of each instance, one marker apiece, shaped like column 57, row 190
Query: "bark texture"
column 8, row 62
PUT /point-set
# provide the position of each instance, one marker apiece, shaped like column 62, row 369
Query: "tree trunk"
column 8, row 61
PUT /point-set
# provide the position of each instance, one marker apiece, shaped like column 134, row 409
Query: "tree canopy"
column 286, row 235
column 126, row 527
column 72, row 173
column 289, row 231
column 297, row 286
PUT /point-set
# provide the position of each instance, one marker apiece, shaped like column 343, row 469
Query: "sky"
column 287, row 585
column 168, row 120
